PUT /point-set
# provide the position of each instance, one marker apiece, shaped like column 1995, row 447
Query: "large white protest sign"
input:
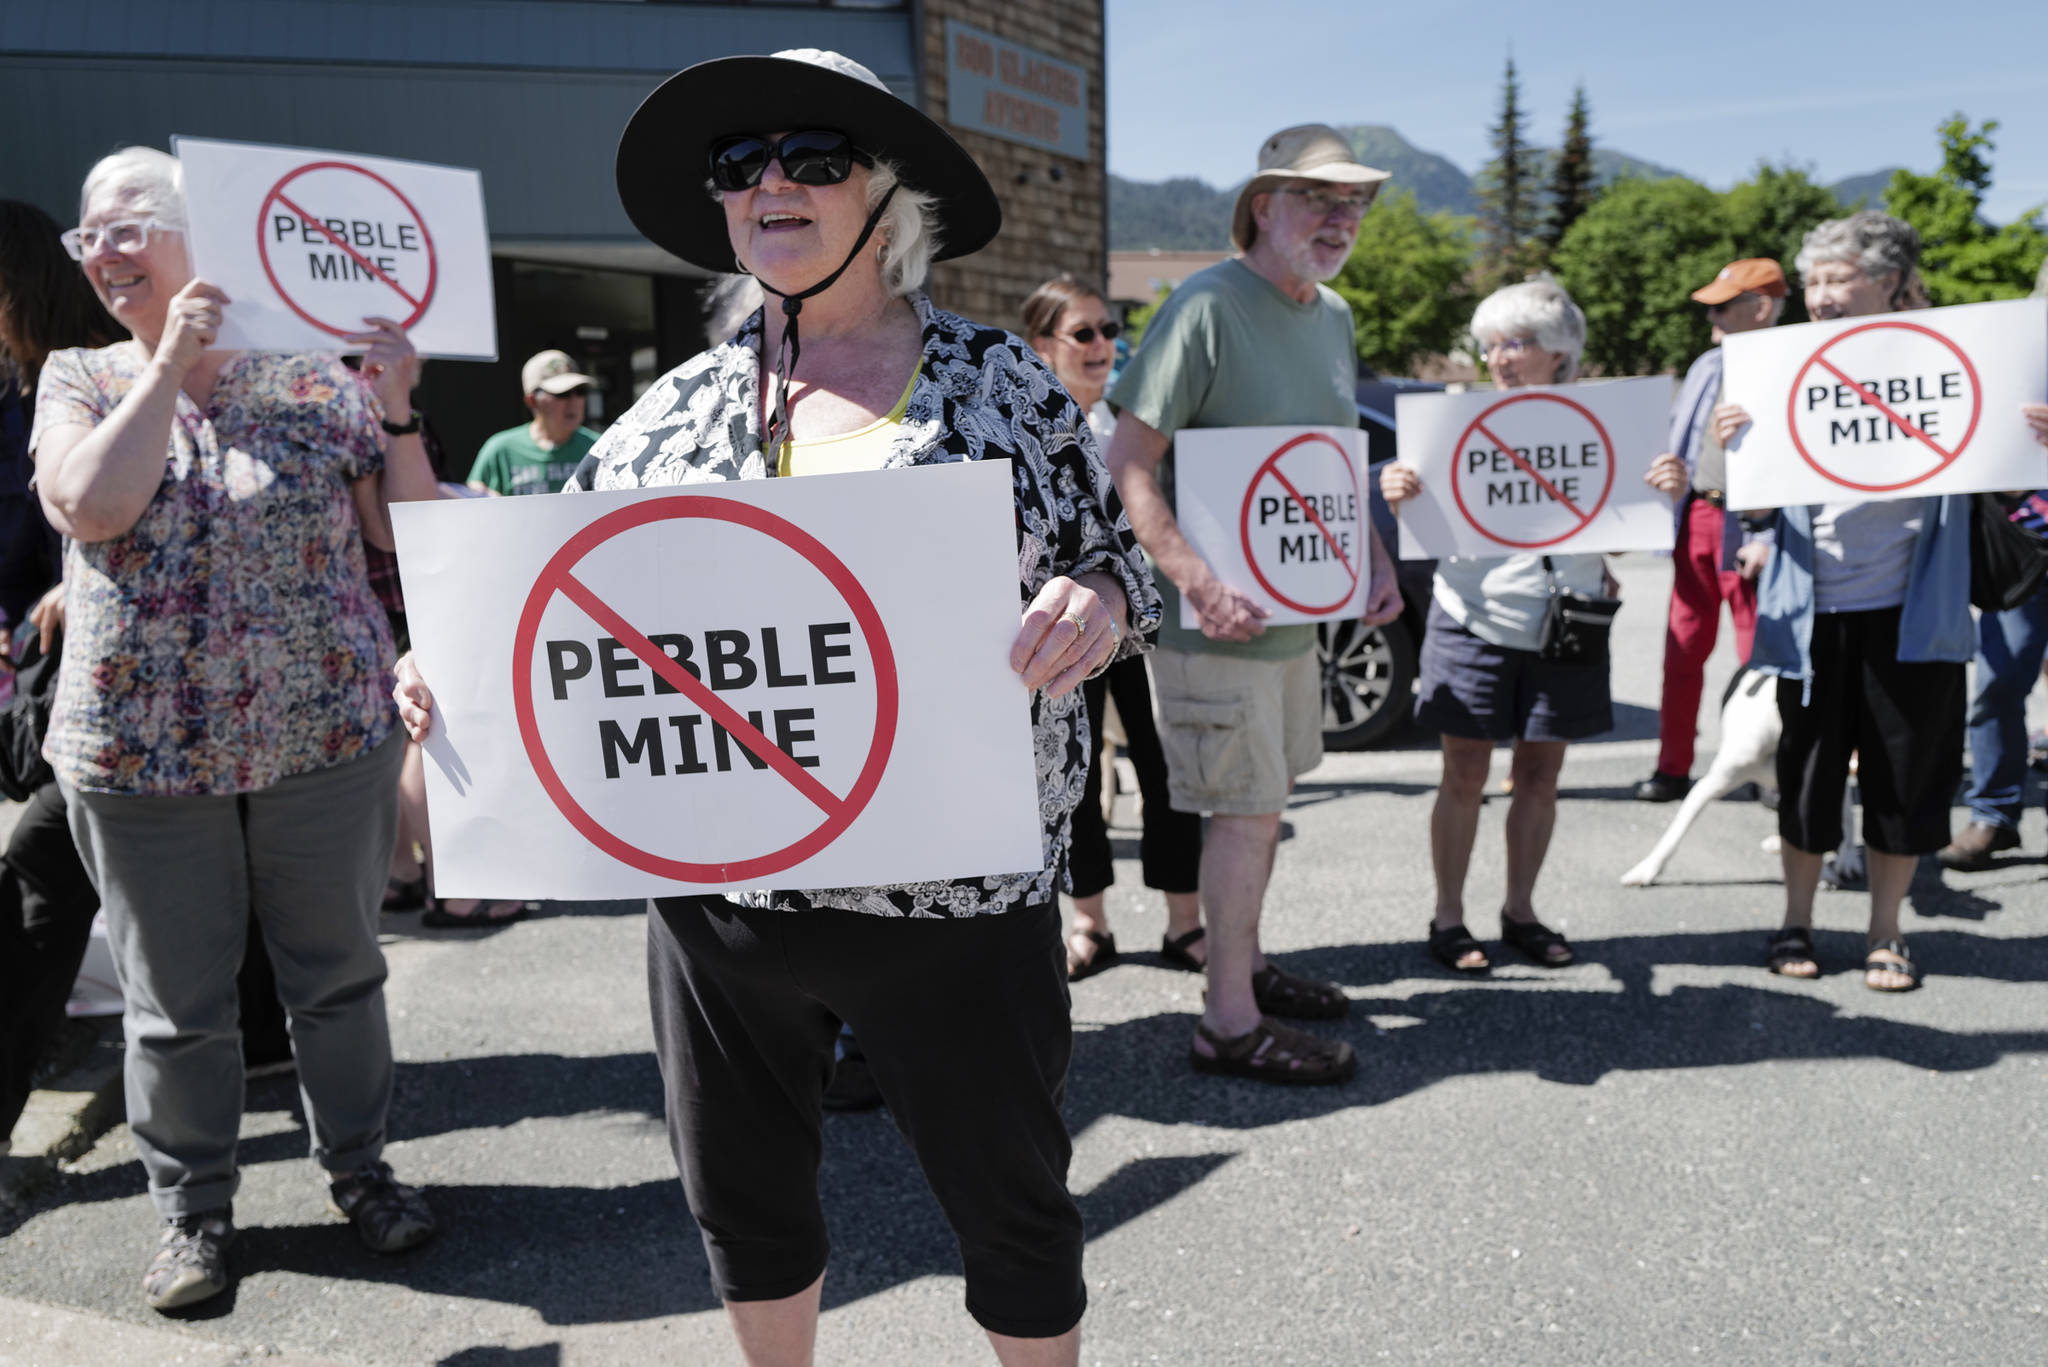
column 779, row 683
column 1898, row 406
column 1547, row 468
column 1280, row 514
column 308, row 244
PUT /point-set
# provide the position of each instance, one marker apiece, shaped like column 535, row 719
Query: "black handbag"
column 26, row 720
column 2007, row 561
column 1575, row 625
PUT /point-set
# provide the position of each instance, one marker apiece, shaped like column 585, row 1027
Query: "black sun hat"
column 665, row 153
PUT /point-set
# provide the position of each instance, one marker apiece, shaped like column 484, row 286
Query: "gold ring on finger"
column 1080, row 623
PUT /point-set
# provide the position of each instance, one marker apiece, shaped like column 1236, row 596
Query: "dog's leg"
column 1749, row 743
column 1846, row 870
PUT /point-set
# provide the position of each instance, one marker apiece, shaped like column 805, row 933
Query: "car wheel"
column 1368, row 681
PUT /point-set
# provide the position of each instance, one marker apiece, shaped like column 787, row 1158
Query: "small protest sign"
column 308, row 244
column 1550, row 468
column 724, row 686
column 1280, row 514
column 1902, row 405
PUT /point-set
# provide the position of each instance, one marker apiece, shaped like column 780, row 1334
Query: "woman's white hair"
column 1540, row 310
column 908, row 232
column 149, row 182
column 1875, row 244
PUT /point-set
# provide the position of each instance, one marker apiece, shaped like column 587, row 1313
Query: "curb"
column 63, row 1119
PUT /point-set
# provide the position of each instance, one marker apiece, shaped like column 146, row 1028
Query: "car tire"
column 1368, row 681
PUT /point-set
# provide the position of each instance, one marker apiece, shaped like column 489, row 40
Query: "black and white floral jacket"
column 980, row 394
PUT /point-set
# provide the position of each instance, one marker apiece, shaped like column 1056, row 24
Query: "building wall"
column 1049, row 225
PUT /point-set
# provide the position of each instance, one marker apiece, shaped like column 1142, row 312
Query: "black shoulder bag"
column 1575, row 625
column 26, row 720
column 2007, row 562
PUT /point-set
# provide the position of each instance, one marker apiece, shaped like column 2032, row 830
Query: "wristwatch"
column 405, row 429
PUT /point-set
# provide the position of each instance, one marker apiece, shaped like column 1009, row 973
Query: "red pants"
column 1698, row 588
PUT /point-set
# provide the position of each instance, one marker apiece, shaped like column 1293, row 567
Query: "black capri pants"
column 1170, row 850
column 965, row 1025
column 1903, row 721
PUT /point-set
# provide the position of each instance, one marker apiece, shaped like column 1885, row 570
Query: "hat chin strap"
column 792, row 305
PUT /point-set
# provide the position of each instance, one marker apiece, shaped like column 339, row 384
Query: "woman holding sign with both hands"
column 221, row 731
column 1863, row 613
column 804, row 171
column 1488, row 675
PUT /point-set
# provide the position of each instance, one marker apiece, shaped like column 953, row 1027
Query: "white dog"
column 1749, row 748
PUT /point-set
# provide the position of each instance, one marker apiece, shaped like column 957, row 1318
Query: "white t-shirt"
column 1862, row 554
column 1502, row 599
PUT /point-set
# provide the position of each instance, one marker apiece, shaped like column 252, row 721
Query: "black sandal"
column 401, row 896
column 1173, row 949
column 1542, row 945
column 1449, row 945
column 1791, row 945
column 1105, row 955
column 1280, row 993
column 1906, row 968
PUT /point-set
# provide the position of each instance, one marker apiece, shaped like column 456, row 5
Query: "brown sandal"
column 1280, row 993
column 1272, row 1052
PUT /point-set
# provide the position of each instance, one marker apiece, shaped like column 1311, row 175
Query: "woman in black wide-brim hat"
column 802, row 170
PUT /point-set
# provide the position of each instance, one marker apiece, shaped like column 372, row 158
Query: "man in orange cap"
column 1710, row 564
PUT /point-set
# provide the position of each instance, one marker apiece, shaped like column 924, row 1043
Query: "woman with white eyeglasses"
column 1484, row 678
column 222, row 731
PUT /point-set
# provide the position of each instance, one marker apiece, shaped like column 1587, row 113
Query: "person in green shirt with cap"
column 1255, row 341
column 539, row 457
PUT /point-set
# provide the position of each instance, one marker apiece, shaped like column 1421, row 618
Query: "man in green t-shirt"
column 539, row 457
column 1256, row 341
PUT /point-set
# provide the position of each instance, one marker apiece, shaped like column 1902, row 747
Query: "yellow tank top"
column 864, row 448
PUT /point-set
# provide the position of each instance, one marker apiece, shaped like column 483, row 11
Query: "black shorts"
column 965, row 1026
column 1475, row 689
column 1904, row 723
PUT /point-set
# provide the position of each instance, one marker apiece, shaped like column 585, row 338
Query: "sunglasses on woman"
column 1082, row 336
column 816, row 156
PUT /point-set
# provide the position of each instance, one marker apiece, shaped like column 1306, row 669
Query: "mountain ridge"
column 1185, row 213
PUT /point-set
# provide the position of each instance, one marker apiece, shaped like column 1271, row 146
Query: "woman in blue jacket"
column 1863, row 613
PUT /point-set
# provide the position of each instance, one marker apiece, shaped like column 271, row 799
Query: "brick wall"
column 1049, row 225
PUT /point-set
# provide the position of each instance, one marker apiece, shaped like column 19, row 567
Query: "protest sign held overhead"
column 1551, row 468
column 1902, row 405
column 1280, row 514
column 308, row 244
column 742, row 685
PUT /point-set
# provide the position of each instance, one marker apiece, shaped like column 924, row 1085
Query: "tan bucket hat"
column 1309, row 151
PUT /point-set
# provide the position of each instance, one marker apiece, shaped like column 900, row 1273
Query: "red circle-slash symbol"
column 1585, row 516
column 1944, row 457
column 279, row 195
column 558, row 576
column 1270, row 468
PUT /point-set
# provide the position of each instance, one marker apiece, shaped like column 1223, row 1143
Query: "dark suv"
column 1369, row 672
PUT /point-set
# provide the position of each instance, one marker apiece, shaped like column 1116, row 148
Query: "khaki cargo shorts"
column 1236, row 732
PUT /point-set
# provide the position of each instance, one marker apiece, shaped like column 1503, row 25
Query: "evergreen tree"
column 1964, row 259
column 1506, row 195
column 1571, row 174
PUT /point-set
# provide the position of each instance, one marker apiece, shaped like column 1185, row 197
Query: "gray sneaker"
column 390, row 1216
column 191, row 1260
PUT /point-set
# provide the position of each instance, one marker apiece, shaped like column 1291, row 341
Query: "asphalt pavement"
column 1662, row 1154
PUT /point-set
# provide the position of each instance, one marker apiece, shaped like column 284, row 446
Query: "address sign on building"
column 1017, row 93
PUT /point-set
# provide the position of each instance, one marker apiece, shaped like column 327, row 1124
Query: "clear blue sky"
column 1842, row 87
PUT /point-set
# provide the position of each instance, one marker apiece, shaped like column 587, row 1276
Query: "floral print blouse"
column 229, row 639
column 980, row 394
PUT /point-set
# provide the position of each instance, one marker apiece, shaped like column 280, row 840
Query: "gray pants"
column 179, row 877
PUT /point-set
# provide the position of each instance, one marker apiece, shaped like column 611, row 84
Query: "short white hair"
column 1876, row 244
column 909, row 230
column 1540, row 310
column 148, row 181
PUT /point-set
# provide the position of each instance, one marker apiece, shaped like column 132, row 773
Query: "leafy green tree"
column 1632, row 262
column 1964, row 259
column 1141, row 317
column 1506, row 189
column 1572, row 187
column 1770, row 214
column 1408, row 282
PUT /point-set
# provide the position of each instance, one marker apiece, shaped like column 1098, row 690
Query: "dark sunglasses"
column 1084, row 335
column 816, row 156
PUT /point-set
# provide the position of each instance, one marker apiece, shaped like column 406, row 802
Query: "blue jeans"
column 2009, row 649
